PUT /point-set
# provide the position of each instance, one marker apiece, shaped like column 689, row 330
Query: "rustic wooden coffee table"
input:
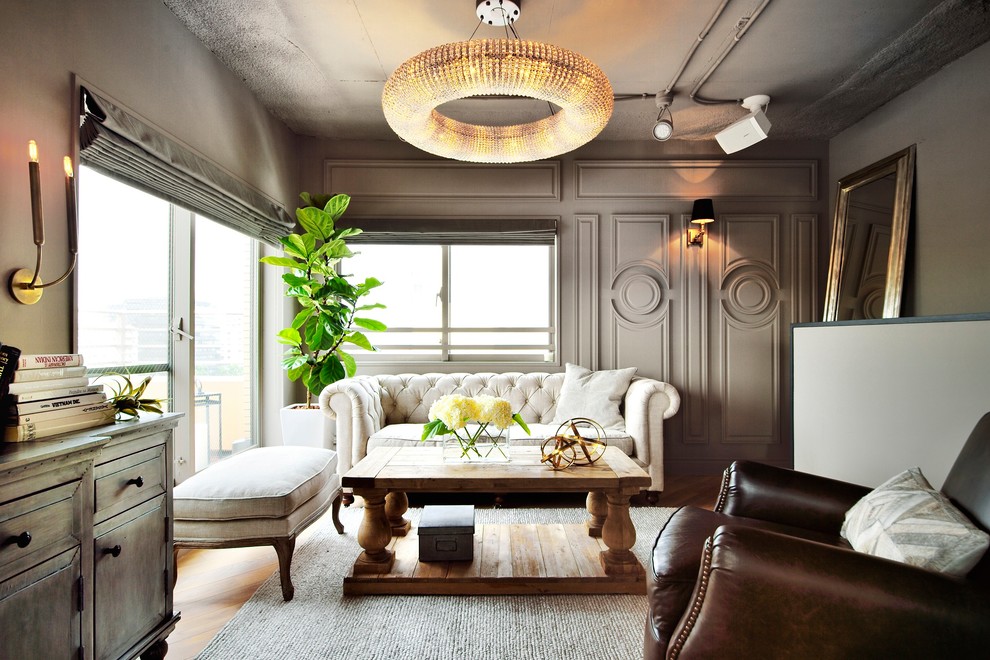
column 594, row 557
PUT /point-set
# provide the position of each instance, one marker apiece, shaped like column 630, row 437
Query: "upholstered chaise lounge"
column 390, row 410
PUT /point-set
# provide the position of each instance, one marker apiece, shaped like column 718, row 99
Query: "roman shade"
column 454, row 231
column 125, row 148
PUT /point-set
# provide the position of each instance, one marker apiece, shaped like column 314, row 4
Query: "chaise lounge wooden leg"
column 284, row 548
column 335, row 513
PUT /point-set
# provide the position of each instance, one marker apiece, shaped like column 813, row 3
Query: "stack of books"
column 50, row 394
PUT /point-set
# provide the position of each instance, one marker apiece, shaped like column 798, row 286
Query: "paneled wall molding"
column 585, row 278
column 392, row 180
column 804, row 268
column 749, row 335
column 748, row 180
column 694, row 357
column 639, row 292
column 755, row 241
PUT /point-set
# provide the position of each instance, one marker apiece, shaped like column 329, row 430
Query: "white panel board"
column 874, row 398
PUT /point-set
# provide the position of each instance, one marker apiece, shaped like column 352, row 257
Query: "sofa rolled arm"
column 355, row 403
column 647, row 403
column 782, row 597
column 789, row 497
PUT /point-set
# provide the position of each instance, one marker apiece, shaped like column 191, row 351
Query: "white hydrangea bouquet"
column 479, row 424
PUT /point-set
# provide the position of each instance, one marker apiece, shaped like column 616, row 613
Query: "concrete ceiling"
column 320, row 65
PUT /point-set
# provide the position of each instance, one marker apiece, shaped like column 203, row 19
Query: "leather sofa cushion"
column 406, row 435
column 677, row 555
column 265, row 482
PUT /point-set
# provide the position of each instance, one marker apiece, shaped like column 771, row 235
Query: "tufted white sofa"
column 390, row 410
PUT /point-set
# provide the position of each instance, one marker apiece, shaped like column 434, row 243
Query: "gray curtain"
column 454, row 231
column 125, row 148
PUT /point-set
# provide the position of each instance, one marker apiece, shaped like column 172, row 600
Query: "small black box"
column 446, row 533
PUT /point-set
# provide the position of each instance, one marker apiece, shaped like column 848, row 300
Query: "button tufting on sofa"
column 402, row 402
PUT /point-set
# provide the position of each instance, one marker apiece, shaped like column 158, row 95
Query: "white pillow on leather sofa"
column 907, row 520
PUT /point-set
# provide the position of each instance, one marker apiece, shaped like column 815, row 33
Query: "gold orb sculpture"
column 578, row 441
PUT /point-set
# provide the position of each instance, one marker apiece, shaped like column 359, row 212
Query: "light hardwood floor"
column 214, row 584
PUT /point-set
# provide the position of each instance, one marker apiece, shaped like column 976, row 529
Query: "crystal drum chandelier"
column 497, row 67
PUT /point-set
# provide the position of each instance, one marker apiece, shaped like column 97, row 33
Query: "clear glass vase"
column 477, row 444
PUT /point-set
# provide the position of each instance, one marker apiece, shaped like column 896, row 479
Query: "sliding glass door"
column 162, row 291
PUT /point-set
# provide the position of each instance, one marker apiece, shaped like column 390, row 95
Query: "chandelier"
column 498, row 67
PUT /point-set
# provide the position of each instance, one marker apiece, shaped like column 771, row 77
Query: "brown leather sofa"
column 767, row 575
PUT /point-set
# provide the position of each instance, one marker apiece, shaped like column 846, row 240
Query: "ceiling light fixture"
column 664, row 128
column 502, row 67
column 749, row 130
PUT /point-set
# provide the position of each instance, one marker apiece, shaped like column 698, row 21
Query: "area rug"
column 320, row 622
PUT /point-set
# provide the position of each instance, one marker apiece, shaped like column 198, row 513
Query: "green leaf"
column 369, row 284
column 433, row 429
column 315, row 221
column 314, row 335
column 370, row 324
column 372, row 306
column 350, row 366
column 359, row 339
column 285, row 262
column 289, row 336
column 521, row 422
column 301, row 318
column 295, row 372
column 294, row 245
column 319, row 200
column 294, row 280
column 347, row 231
column 332, row 371
column 337, row 205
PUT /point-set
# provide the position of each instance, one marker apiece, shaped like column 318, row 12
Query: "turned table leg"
column 597, row 505
column 396, row 504
column 619, row 536
column 374, row 535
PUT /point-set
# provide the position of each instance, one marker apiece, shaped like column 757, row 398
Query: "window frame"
column 447, row 351
column 181, row 366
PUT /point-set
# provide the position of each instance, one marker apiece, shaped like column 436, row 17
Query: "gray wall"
column 717, row 326
column 138, row 53
column 948, row 269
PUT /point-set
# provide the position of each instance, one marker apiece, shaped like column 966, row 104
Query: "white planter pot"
column 307, row 427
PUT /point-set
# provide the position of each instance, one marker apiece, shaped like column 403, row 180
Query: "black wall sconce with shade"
column 26, row 287
column 702, row 214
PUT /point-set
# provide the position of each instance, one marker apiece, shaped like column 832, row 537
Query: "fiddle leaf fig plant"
column 332, row 314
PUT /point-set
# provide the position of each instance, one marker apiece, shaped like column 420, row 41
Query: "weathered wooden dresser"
column 86, row 543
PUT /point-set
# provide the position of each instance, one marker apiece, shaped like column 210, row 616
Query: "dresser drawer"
column 128, row 481
column 37, row 522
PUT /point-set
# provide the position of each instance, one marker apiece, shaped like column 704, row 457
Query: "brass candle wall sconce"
column 26, row 287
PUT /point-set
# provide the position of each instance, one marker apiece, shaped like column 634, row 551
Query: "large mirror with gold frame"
column 869, row 240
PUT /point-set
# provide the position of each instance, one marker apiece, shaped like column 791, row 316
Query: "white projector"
column 744, row 133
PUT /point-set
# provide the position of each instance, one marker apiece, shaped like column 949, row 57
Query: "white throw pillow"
column 593, row 394
column 907, row 520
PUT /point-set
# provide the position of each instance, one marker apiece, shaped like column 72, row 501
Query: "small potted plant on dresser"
column 331, row 317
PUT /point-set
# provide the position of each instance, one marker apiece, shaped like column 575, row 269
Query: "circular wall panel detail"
column 749, row 294
column 639, row 295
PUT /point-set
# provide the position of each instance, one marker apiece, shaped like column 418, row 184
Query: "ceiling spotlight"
column 664, row 127
column 750, row 129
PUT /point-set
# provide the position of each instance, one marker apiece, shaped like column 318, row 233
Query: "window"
column 461, row 302
column 163, row 291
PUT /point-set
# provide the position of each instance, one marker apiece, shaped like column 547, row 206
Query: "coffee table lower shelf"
column 508, row 559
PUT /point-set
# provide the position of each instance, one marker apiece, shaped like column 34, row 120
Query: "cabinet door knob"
column 22, row 540
column 137, row 481
column 114, row 551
